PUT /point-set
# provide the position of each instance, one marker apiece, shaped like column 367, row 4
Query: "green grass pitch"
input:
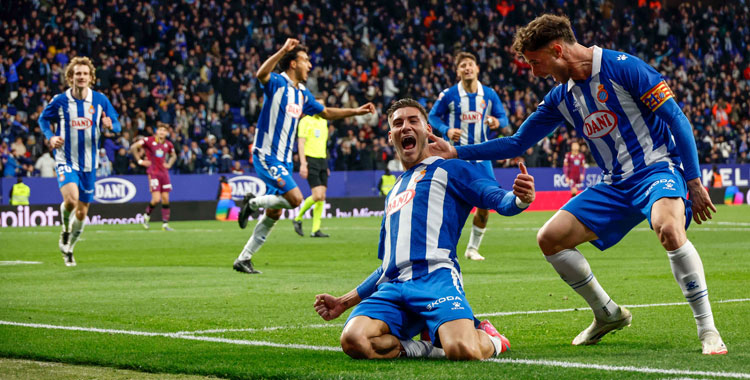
column 163, row 302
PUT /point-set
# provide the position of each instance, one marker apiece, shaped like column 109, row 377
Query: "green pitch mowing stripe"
column 177, row 287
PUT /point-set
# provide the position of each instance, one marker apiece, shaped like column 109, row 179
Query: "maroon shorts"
column 159, row 181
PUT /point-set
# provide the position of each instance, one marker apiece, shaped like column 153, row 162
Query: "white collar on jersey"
column 596, row 66
column 300, row 86
column 89, row 95
column 462, row 91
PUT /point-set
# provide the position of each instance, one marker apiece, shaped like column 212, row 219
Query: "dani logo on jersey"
column 399, row 201
column 81, row 123
column 471, row 117
column 599, row 124
column 294, row 110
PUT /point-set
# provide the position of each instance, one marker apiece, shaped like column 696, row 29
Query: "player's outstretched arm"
column 330, row 307
column 332, row 113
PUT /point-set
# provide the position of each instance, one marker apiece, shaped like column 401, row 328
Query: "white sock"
column 270, row 201
column 476, row 237
column 64, row 217
column 260, row 233
column 421, row 349
column 76, row 228
column 497, row 343
column 576, row 272
column 688, row 271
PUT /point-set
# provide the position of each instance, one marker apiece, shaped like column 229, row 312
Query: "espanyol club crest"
column 244, row 184
column 482, row 104
column 602, row 95
column 91, row 109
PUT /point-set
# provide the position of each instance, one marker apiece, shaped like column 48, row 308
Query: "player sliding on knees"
column 287, row 100
column 419, row 284
column 644, row 145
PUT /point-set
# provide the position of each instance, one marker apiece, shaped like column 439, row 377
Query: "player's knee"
column 548, row 241
column 462, row 350
column 357, row 346
column 670, row 234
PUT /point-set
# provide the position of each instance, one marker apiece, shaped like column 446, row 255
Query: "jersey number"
column 277, row 171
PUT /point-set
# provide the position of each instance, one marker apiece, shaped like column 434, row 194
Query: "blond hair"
column 75, row 62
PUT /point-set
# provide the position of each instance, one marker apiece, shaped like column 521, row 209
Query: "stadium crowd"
column 191, row 65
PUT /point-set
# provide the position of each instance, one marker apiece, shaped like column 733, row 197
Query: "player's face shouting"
column 303, row 66
column 547, row 61
column 81, row 76
column 467, row 70
column 408, row 135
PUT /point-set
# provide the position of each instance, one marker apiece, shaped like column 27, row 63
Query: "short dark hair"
column 403, row 103
column 463, row 55
column 541, row 31
column 287, row 59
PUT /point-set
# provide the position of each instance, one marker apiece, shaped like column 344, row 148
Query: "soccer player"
column 642, row 141
column 80, row 114
column 286, row 100
column 574, row 168
column 419, row 282
column 313, row 136
column 160, row 156
column 463, row 113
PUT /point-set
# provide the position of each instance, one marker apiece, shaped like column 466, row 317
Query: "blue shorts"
column 86, row 181
column 485, row 167
column 611, row 211
column 276, row 174
column 408, row 307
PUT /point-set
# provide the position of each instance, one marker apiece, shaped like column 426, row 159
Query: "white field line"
column 603, row 367
column 497, row 314
column 19, row 262
column 173, row 335
column 504, row 313
column 547, row 363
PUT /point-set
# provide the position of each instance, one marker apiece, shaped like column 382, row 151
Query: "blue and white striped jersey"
column 79, row 123
column 424, row 215
column 624, row 111
column 282, row 109
column 456, row 108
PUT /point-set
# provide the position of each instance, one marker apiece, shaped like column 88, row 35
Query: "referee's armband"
column 657, row 96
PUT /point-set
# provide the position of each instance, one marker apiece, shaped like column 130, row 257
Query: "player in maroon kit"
column 574, row 167
column 160, row 156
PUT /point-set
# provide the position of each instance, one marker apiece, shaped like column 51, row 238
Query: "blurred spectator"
column 195, row 68
column 46, row 165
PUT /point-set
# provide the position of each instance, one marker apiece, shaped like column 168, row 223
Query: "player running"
column 160, row 156
column 286, row 100
column 80, row 115
column 419, row 282
column 463, row 114
column 644, row 144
